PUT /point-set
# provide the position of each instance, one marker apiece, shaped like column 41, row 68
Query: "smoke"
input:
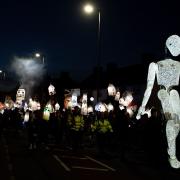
column 29, row 71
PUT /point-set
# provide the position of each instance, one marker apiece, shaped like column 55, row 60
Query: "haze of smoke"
column 29, row 71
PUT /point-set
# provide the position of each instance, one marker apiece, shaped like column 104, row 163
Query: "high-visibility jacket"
column 102, row 126
column 78, row 123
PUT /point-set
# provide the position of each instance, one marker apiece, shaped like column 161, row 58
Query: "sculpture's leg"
column 172, row 128
column 170, row 103
column 171, row 134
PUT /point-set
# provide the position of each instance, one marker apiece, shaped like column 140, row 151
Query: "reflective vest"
column 78, row 123
column 102, row 126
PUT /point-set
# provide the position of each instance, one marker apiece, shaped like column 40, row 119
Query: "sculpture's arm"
column 150, row 82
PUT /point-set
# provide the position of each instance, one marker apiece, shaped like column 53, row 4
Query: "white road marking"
column 102, row 164
column 88, row 168
column 61, row 163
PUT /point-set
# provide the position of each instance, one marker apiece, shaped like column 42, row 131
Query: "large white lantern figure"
column 111, row 90
column 51, row 90
column 167, row 73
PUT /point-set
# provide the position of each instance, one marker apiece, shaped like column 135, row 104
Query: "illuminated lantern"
column 74, row 100
column 51, row 90
column 26, row 116
column 126, row 99
column 33, row 105
column 117, row 96
column 84, row 109
column 57, row 107
column 67, row 102
column 91, row 99
column 2, row 106
column 110, row 107
column 20, row 95
column 101, row 107
column 46, row 114
column 111, row 90
column 9, row 104
column 90, row 109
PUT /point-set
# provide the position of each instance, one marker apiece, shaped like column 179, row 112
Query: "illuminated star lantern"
column 51, row 90
column 173, row 44
column 111, row 90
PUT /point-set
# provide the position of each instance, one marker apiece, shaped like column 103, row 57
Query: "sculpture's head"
column 173, row 44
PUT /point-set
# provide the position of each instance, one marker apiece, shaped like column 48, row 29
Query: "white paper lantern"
column 57, row 107
column 26, row 116
column 110, row 107
column 111, row 90
column 51, row 90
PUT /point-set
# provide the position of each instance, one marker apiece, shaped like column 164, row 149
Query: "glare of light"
column 1, row 71
column 91, row 99
column 88, row 8
column 37, row 55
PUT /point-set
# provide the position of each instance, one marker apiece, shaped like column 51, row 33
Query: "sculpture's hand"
column 140, row 112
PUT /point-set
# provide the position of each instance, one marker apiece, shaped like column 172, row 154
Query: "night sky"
column 68, row 38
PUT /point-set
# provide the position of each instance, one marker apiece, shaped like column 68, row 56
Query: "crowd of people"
column 106, row 131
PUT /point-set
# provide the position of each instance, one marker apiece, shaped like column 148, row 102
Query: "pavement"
column 60, row 162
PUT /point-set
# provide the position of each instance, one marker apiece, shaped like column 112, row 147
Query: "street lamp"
column 3, row 74
column 89, row 9
column 38, row 55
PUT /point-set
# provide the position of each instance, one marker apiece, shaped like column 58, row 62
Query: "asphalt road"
column 17, row 162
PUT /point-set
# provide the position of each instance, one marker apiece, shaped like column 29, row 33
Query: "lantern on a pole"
column 51, row 90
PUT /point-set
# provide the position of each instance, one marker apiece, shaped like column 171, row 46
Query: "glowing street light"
column 3, row 74
column 89, row 9
column 38, row 55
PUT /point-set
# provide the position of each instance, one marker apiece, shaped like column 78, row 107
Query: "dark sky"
column 68, row 38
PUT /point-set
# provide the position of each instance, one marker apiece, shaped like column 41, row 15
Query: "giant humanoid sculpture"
column 167, row 72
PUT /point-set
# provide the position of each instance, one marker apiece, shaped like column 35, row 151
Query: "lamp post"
column 38, row 55
column 3, row 74
column 89, row 9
